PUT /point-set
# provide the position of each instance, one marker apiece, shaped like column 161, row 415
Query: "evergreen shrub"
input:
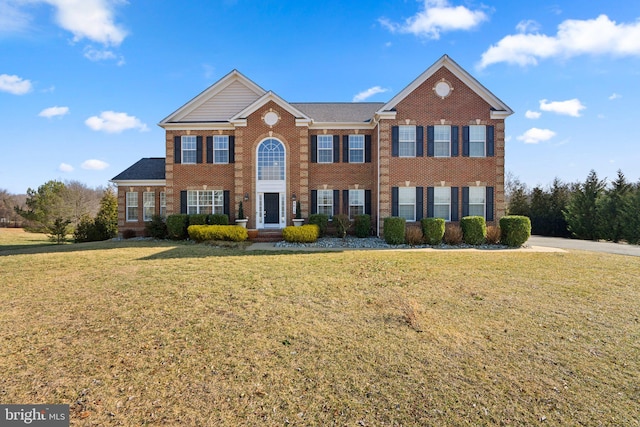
column 177, row 226
column 321, row 220
column 394, row 229
column 515, row 230
column 217, row 219
column 474, row 230
column 308, row 233
column 203, row 233
column 433, row 230
column 362, row 225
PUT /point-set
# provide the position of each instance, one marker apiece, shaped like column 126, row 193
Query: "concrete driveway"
column 585, row 245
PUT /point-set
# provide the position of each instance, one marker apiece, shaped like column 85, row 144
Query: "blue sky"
column 83, row 83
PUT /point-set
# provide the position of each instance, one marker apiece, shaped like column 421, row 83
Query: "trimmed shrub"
column 177, row 226
column 156, row 228
column 197, row 219
column 474, row 230
column 321, row 220
column 516, row 230
column 413, row 236
column 394, row 230
column 342, row 223
column 304, row 234
column 493, row 235
column 362, row 225
column 433, row 230
column 452, row 234
column 203, row 233
column 217, row 219
column 85, row 230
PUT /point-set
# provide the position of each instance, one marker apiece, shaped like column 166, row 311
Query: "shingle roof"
column 144, row 169
column 339, row 112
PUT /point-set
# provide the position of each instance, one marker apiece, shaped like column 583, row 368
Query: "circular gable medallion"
column 443, row 89
column 271, row 118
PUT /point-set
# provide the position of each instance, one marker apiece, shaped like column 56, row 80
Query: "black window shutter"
column 394, row 201
column 336, row 202
column 367, row 202
column 345, row 149
column 395, row 141
column 455, row 146
column 314, row 148
column 183, row 202
column 198, row 149
column 336, row 148
column 367, row 148
column 419, row 141
column 430, row 202
column 454, row 204
column 419, row 203
column 490, row 143
column 345, row 202
column 209, row 149
column 489, row 204
column 232, row 149
column 226, row 207
column 314, row 202
column 465, row 201
column 430, row 141
column 177, row 150
column 465, row 141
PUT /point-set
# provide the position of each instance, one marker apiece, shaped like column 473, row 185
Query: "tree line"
column 592, row 210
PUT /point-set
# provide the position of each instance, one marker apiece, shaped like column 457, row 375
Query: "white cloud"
column 438, row 16
column 54, row 112
column 14, row 84
column 535, row 135
column 532, row 114
column 65, row 167
column 600, row 36
column 528, row 26
column 12, row 19
column 94, row 165
column 614, row 96
column 571, row 107
column 365, row 94
column 114, row 122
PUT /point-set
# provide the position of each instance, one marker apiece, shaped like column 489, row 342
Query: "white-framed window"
column 325, row 202
column 132, row 206
column 221, row 149
column 163, row 204
column 477, row 140
column 189, row 149
column 271, row 160
column 148, row 205
column 356, row 148
column 356, row 203
column 205, row 202
column 442, row 141
column 477, row 201
column 407, row 203
column 325, row 148
column 406, row 141
column 442, row 203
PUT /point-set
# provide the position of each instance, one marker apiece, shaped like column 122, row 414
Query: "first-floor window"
column 356, row 203
column 407, row 203
column 356, row 148
column 148, row 205
column 325, row 202
column 477, row 201
column 163, row 204
column 442, row 203
column 205, row 202
column 132, row 206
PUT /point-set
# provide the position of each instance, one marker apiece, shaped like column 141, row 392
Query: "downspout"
column 378, row 195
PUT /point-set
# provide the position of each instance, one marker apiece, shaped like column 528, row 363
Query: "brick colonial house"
column 435, row 149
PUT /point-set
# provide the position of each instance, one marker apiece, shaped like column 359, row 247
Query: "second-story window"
column 221, row 149
column 407, row 141
column 442, row 141
column 189, row 149
column 356, row 148
column 477, row 140
column 325, row 148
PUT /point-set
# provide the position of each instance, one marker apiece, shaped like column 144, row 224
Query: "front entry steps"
column 266, row 235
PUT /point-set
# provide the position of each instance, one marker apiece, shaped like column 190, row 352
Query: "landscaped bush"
column 493, row 235
column 197, row 219
column 177, row 226
column 452, row 234
column 413, row 236
column 321, row 220
column 308, row 233
column 217, row 219
column 342, row 223
column 85, row 230
column 433, row 230
column 474, row 229
column 362, row 225
column 203, row 233
column 156, row 228
column 394, row 230
column 516, row 230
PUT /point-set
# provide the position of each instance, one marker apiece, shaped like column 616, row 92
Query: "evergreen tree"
column 581, row 213
column 539, row 212
column 519, row 200
column 558, row 201
column 106, row 221
column 631, row 231
column 613, row 209
column 46, row 208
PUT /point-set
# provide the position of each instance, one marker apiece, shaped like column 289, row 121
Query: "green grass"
column 144, row 333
